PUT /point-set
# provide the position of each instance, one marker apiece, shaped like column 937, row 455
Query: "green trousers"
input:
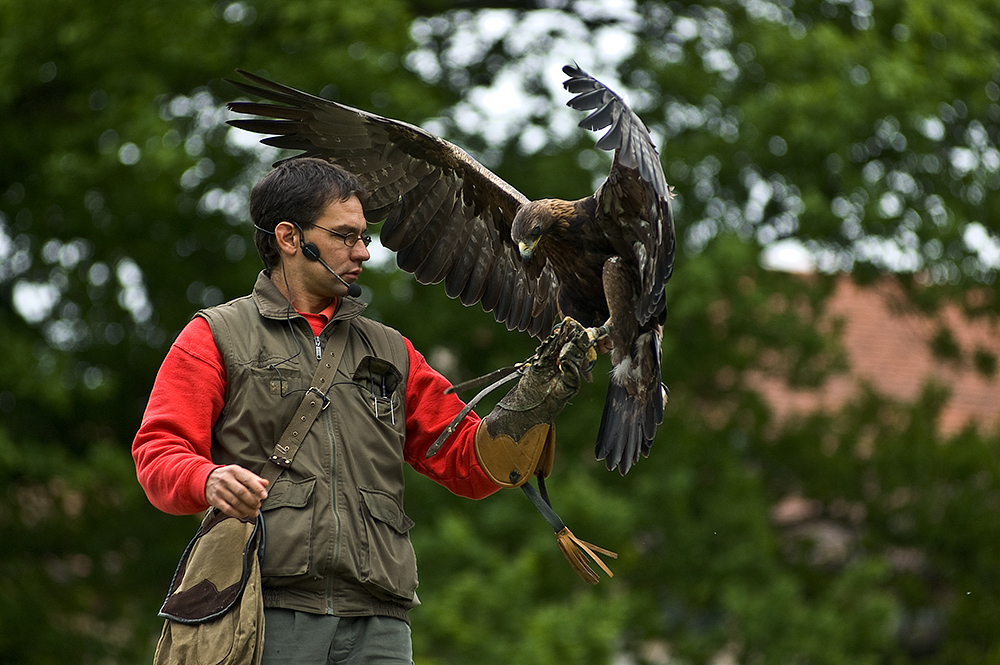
column 300, row 638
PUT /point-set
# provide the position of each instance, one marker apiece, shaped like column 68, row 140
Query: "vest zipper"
column 337, row 523
column 319, row 349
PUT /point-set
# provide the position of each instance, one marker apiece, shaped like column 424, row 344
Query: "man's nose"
column 360, row 252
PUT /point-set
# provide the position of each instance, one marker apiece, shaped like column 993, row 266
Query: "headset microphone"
column 353, row 290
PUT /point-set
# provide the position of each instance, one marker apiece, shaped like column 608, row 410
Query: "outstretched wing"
column 634, row 201
column 447, row 217
column 633, row 209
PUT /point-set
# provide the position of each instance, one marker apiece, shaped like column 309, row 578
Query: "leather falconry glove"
column 517, row 439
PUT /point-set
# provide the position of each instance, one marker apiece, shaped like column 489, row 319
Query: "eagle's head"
column 535, row 221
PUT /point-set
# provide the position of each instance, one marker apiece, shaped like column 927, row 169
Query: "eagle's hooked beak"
column 527, row 249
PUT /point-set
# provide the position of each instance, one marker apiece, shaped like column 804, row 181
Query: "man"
column 339, row 573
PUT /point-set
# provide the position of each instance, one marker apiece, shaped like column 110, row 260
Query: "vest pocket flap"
column 287, row 493
column 386, row 509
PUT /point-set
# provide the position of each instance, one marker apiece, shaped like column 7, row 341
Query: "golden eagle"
column 604, row 259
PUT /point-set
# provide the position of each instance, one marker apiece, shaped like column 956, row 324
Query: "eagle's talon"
column 591, row 361
column 600, row 338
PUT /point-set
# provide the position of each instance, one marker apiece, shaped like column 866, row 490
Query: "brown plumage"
column 451, row 220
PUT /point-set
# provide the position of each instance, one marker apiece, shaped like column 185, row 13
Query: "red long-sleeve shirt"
column 173, row 448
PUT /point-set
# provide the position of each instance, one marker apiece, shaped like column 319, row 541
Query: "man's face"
column 346, row 218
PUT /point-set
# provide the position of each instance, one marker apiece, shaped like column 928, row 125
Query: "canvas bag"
column 214, row 609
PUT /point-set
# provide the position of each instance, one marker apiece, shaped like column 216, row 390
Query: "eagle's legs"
column 601, row 335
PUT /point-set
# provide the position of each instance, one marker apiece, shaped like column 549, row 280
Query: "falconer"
column 339, row 573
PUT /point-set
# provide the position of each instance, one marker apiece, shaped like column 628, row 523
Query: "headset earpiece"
column 310, row 251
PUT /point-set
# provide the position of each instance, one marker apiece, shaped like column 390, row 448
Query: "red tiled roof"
column 888, row 345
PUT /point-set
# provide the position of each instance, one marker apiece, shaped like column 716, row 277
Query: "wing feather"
column 526, row 300
column 634, row 202
column 542, row 323
column 509, row 274
column 435, row 248
column 465, row 263
column 465, row 260
column 450, row 245
column 602, row 117
column 413, row 255
column 415, row 211
column 494, row 286
column 476, row 285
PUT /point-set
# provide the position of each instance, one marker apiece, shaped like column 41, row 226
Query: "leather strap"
column 314, row 401
column 572, row 547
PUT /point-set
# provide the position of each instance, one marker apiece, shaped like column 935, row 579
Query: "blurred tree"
column 865, row 134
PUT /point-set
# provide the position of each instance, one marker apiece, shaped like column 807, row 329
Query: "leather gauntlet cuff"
column 511, row 463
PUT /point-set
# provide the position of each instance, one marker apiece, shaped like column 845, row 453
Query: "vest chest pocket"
column 288, row 509
column 377, row 380
column 389, row 565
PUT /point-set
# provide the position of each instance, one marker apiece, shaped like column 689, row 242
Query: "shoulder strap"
column 314, row 401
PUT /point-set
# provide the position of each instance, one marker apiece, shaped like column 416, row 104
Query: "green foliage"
column 867, row 131
column 79, row 544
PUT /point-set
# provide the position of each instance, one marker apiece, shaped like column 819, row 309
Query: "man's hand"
column 235, row 491
column 516, row 440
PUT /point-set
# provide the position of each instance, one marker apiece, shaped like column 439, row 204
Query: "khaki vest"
column 336, row 534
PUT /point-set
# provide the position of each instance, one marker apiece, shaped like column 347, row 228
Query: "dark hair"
column 297, row 190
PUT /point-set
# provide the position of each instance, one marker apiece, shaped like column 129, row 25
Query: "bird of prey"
column 602, row 260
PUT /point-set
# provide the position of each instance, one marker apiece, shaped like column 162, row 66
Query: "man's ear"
column 286, row 237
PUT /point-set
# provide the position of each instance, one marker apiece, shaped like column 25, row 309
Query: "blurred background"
column 825, row 487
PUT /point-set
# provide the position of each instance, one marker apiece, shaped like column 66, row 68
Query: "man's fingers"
column 238, row 507
column 240, row 478
column 235, row 491
column 236, row 511
column 239, row 496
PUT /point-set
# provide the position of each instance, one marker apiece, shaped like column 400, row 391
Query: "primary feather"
column 602, row 259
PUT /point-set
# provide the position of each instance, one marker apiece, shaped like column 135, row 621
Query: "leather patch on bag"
column 215, row 610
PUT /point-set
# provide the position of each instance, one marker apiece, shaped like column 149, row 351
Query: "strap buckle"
column 280, row 456
column 322, row 396
column 277, row 460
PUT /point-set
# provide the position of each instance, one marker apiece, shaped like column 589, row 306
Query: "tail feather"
column 617, row 438
column 632, row 410
column 628, row 427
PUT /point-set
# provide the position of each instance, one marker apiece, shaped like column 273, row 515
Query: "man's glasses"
column 350, row 239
